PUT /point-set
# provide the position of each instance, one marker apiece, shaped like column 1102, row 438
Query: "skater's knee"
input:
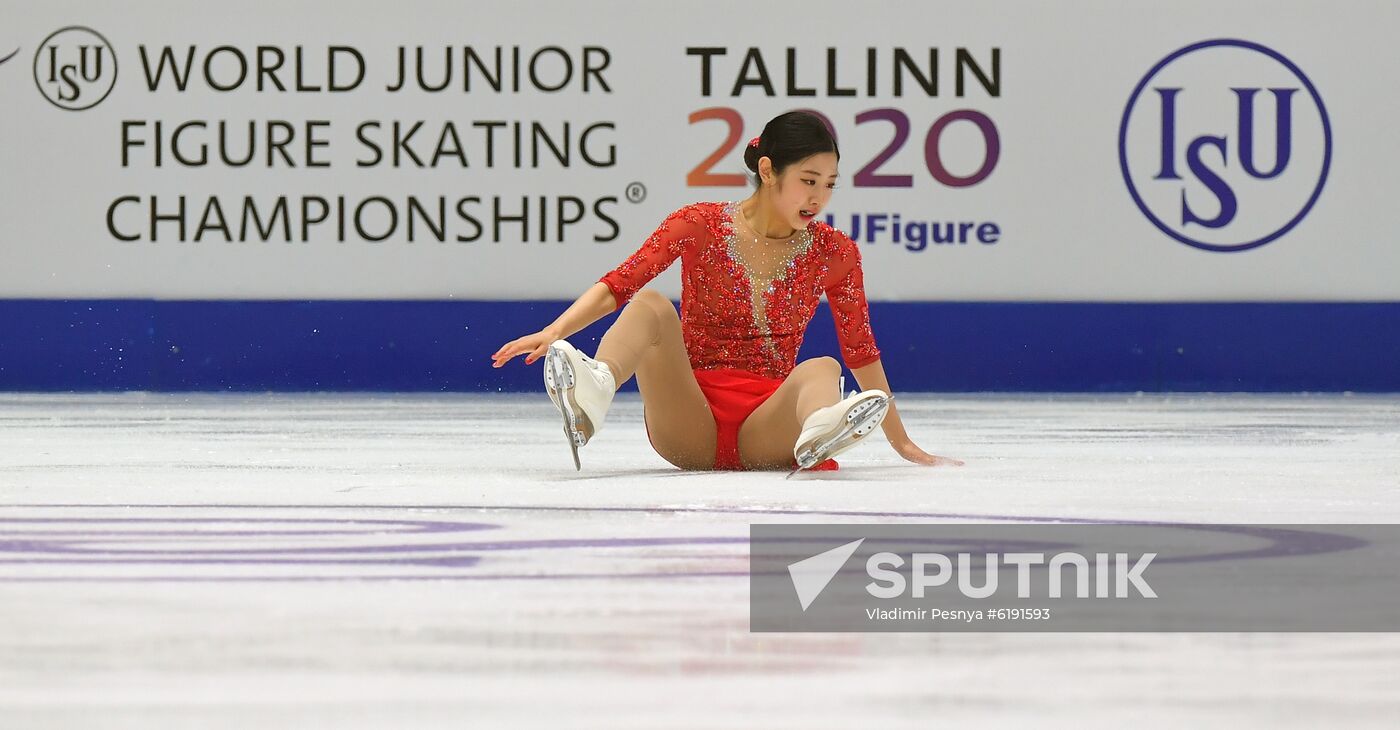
column 820, row 367
column 651, row 298
column 656, row 302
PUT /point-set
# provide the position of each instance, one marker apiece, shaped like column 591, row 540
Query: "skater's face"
column 803, row 189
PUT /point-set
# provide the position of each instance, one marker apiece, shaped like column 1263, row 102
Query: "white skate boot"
column 836, row 428
column 582, row 389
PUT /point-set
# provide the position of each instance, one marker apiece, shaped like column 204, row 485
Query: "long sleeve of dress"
column 845, row 292
column 679, row 231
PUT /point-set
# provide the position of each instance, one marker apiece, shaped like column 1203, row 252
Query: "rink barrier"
column 166, row 345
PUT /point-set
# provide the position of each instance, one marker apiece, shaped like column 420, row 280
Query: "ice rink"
column 357, row 561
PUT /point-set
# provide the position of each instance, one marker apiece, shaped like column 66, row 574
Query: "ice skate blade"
column 573, row 448
column 860, row 421
column 559, row 381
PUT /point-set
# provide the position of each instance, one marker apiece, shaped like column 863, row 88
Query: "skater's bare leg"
column 636, row 331
column 646, row 341
column 768, row 435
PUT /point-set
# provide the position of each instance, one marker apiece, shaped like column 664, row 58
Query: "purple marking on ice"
column 375, row 578
column 1283, row 542
column 451, row 561
column 416, row 526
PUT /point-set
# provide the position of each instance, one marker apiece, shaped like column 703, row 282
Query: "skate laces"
column 598, row 366
column 602, row 370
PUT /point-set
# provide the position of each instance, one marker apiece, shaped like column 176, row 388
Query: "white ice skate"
column 836, row 428
column 582, row 389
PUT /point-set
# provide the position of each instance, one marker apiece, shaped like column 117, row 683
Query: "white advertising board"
column 1076, row 151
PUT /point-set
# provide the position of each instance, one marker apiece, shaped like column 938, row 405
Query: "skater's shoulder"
column 702, row 210
column 833, row 237
column 702, row 214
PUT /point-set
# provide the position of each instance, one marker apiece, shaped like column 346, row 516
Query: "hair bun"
column 751, row 157
column 789, row 138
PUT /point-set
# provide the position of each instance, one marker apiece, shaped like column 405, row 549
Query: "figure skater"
column 720, row 384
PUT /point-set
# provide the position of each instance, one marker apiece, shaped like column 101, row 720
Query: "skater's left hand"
column 873, row 376
column 913, row 453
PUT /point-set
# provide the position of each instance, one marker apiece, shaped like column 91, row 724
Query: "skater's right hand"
column 532, row 346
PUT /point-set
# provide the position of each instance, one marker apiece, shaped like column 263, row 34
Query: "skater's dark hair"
column 789, row 138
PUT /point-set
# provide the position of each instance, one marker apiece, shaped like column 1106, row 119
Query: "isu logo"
column 1225, row 145
column 75, row 68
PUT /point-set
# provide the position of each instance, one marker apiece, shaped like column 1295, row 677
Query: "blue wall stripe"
column 88, row 345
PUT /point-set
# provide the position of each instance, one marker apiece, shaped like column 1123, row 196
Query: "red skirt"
column 733, row 395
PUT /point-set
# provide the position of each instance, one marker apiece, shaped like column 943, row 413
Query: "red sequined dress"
column 749, row 313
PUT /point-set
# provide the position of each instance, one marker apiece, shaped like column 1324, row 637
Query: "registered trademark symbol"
column 636, row 192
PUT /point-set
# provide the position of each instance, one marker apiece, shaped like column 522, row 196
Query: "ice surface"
column 307, row 561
